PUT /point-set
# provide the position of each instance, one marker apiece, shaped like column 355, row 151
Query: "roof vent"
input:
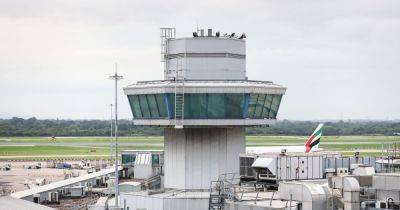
column 201, row 32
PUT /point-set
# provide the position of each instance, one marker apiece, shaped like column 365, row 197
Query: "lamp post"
column 116, row 77
column 111, row 132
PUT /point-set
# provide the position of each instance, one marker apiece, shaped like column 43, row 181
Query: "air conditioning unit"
column 52, row 197
column 342, row 171
column 88, row 186
column 36, row 198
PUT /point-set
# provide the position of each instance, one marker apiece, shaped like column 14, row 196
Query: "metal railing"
column 6, row 190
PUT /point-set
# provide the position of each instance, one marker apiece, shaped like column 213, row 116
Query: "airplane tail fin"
column 314, row 139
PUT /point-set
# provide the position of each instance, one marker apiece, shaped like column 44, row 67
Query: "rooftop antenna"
column 116, row 77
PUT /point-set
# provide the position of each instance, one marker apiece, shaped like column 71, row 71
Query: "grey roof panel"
column 11, row 203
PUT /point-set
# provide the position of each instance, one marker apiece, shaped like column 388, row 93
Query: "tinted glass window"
column 171, row 100
column 144, row 106
column 151, row 99
column 196, row 106
column 252, row 105
column 125, row 159
column 134, row 103
column 216, row 105
column 162, row 108
column 155, row 159
column 206, row 106
column 275, row 106
column 259, row 106
column 234, row 105
column 267, row 106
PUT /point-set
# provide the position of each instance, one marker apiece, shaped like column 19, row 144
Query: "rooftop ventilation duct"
column 349, row 190
column 209, row 32
column 312, row 196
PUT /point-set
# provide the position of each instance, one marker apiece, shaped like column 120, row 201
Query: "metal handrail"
column 205, row 81
column 272, row 198
column 255, row 201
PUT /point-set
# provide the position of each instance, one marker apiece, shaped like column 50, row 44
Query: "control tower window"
column 216, row 106
column 206, row 106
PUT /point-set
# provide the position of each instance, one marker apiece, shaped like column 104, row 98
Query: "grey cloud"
column 339, row 59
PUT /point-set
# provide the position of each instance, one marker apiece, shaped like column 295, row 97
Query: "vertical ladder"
column 216, row 200
column 179, row 94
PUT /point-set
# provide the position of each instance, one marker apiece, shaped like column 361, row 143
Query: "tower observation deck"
column 204, row 103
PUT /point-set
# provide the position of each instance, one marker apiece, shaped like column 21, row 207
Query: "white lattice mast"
column 166, row 33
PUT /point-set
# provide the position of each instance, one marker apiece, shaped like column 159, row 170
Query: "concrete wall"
column 387, row 186
column 207, row 58
column 143, row 171
column 206, row 45
column 201, row 68
column 196, row 156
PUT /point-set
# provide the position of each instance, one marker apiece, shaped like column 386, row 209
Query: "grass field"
column 48, row 150
column 21, row 147
column 89, row 139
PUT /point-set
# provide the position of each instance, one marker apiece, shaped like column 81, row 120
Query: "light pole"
column 111, row 132
column 116, row 77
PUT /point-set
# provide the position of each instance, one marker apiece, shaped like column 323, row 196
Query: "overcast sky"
column 338, row 59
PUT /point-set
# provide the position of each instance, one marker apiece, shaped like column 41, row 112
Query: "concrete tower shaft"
column 196, row 156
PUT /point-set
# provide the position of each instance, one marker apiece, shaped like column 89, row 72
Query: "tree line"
column 34, row 127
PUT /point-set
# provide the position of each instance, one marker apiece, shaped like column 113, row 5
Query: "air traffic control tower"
column 204, row 104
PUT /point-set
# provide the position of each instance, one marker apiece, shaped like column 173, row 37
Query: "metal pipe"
column 116, row 140
column 382, row 158
column 255, row 201
column 272, row 197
